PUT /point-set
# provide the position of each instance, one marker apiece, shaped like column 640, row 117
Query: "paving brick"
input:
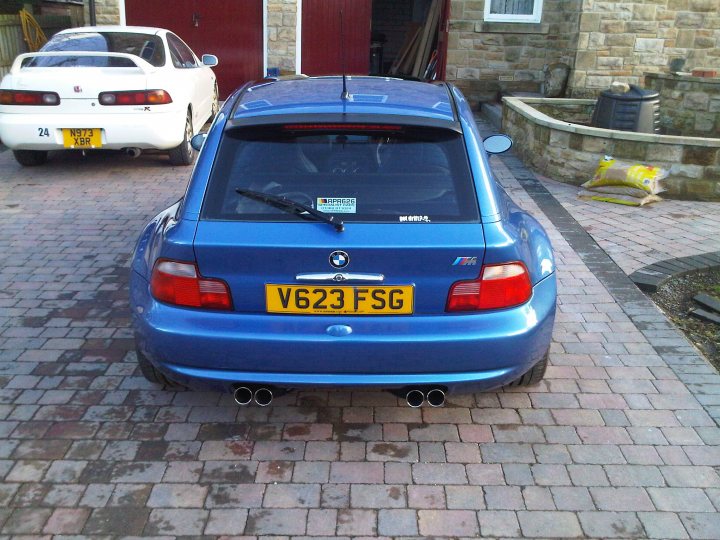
column 549, row 524
column 701, row 525
column 357, row 522
column 496, row 523
column 226, row 522
column 107, row 521
column 448, row 523
column 632, row 499
column 377, row 496
column 397, row 523
column 176, row 522
column 680, row 499
column 465, row 497
column 292, row 496
column 235, row 496
column 356, row 472
column 662, row 525
column 611, row 524
column 177, row 496
column 439, row 473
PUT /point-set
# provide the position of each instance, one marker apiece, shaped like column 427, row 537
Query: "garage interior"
column 406, row 38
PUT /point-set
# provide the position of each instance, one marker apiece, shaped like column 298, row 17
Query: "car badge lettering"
column 77, row 89
column 465, row 261
column 339, row 259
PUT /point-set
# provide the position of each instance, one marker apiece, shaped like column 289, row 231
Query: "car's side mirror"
column 497, row 144
column 209, row 60
column 198, row 140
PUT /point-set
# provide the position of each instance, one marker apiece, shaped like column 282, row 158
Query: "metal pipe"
column 243, row 395
column 415, row 398
column 91, row 9
column 436, row 397
column 263, row 396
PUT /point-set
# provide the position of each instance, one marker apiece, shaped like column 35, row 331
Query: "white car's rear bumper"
column 162, row 130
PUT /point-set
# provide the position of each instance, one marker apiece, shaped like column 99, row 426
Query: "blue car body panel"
column 459, row 351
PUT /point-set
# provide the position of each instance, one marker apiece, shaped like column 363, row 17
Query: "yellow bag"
column 611, row 172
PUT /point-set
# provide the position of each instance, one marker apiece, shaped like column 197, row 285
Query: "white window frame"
column 507, row 17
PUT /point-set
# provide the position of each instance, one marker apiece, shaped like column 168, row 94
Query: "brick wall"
column 623, row 40
column 688, row 105
column 282, row 29
column 106, row 12
column 484, row 58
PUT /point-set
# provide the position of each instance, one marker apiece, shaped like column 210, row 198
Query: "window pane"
column 147, row 46
column 371, row 177
column 512, row 7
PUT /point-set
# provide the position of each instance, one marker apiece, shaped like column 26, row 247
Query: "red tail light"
column 135, row 97
column 179, row 283
column 22, row 97
column 499, row 286
column 341, row 127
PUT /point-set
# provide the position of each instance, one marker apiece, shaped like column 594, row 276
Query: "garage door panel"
column 230, row 29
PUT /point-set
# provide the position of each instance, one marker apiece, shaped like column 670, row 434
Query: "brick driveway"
column 619, row 441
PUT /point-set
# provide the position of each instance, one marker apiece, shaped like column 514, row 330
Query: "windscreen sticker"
column 414, row 219
column 336, row 205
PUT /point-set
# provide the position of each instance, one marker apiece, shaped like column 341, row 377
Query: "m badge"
column 465, row 261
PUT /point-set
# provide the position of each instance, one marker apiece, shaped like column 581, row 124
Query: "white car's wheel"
column 184, row 154
column 30, row 158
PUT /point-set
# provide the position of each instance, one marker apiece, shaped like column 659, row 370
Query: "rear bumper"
column 154, row 130
column 461, row 352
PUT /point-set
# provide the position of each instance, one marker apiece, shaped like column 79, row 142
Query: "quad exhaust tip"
column 415, row 397
column 263, row 397
column 244, row 395
column 435, row 397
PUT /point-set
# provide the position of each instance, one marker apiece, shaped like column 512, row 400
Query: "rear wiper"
column 292, row 207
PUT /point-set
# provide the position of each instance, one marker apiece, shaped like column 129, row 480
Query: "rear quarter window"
column 399, row 174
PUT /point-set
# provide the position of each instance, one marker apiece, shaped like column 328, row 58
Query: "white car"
column 111, row 87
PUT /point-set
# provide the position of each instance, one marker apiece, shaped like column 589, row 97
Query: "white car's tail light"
column 499, row 286
column 25, row 97
column 135, row 97
column 179, row 283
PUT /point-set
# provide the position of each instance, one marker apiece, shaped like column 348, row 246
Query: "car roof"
column 114, row 28
column 429, row 103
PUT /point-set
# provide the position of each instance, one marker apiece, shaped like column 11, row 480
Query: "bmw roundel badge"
column 339, row 259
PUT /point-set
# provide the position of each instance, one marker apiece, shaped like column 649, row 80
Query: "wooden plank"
column 423, row 41
column 429, row 37
column 410, row 37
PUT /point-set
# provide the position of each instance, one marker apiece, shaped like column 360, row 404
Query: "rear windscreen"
column 368, row 174
column 149, row 47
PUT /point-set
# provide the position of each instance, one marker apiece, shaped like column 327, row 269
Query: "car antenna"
column 345, row 94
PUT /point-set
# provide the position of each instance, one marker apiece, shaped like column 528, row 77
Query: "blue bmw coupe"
column 331, row 238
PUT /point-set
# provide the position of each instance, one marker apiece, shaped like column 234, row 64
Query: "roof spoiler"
column 145, row 66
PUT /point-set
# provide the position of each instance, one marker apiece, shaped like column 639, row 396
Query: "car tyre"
column 153, row 375
column 30, row 158
column 534, row 375
column 184, row 154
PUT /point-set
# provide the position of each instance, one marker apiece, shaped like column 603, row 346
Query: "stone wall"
column 106, row 12
column 486, row 57
column 688, row 105
column 620, row 41
column 570, row 153
column 281, row 29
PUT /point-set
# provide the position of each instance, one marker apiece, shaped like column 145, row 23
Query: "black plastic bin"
column 634, row 110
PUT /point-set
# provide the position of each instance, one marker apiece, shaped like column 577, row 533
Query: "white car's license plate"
column 82, row 137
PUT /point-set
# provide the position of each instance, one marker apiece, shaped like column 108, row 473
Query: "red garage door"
column 321, row 44
column 230, row 29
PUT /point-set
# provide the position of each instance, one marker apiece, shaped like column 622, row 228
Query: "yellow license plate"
column 82, row 137
column 333, row 299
